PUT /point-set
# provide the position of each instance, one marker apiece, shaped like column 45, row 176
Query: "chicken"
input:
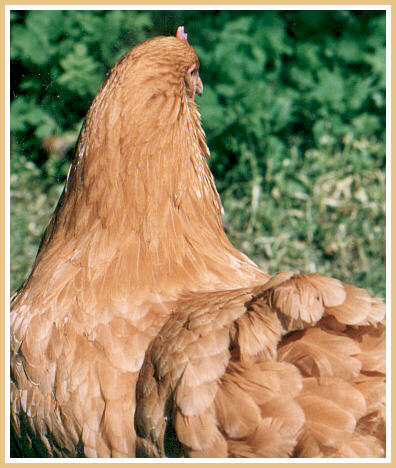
column 141, row 331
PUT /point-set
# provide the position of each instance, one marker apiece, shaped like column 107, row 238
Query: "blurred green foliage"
column 293, row 107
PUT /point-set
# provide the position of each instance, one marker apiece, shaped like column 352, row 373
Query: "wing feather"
column 247, row 373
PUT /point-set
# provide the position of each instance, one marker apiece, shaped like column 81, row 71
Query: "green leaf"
column 366, row 124
column 80, row 72
column 349, row 49
column 212, row 112
column 25, row 114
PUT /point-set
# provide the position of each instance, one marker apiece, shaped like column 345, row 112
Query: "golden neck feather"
column 140, row 203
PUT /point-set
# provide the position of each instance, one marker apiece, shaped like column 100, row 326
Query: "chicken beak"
column 199, row 86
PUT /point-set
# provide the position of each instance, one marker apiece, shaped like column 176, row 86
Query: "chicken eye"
column 193, row 70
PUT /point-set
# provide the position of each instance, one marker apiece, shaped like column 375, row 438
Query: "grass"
column 332, row 223
column 32, row 200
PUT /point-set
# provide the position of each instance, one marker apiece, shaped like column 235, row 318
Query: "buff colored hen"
column 141, row 331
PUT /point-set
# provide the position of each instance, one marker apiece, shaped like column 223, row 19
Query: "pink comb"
column 180, row 34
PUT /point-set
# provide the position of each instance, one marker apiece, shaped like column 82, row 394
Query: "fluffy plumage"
column 141, row 331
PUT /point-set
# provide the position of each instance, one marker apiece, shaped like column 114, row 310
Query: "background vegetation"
column 293, row 108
